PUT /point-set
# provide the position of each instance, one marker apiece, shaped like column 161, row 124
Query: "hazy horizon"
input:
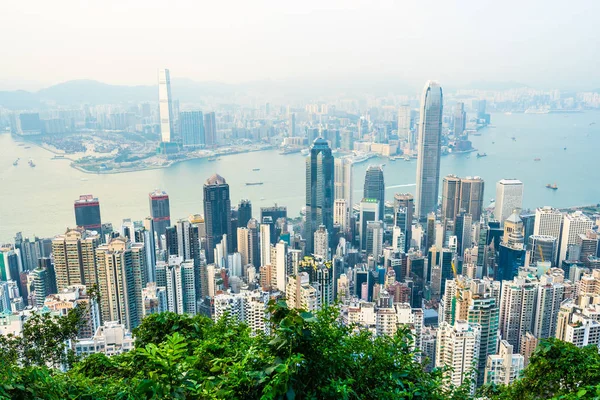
column 540, row 44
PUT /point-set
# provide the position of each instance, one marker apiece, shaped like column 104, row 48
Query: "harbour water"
column 40, row 200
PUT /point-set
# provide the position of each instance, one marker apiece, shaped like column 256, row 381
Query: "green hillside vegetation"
column 306, row 357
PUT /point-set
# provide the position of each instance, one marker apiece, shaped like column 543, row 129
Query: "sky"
column 546, row 44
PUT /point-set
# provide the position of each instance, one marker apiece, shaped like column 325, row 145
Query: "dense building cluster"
column 477, row 286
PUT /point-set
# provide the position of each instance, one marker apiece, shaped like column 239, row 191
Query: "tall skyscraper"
column 404, row 122
column 369, row 211
column 177, row 276
column 321, row 247
column 121, row 278
column 217, row 212
column 340, row 214
column 265, row 245
column 450, row 197
column 191, row 128
column 429, row 150
column 165, row 106
column 517, row 305
column 160, row 212
column 253, row 242
column 509, row 197
column 343, row 180
column 74, row 258
column 573, row 225
column 210, row 129
column 462, row 194
column 319, row 190
column 375, row 187
column 460, row 119
column 542, row 248
column 244, row 213
column 87, row 213
column 270, row 215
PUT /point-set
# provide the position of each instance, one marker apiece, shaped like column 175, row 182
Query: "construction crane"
column 460, row 285
column 541, row 253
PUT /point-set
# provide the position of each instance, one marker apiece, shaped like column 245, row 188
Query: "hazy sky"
column 542, row 43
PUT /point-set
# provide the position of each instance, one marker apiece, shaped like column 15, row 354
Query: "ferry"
column 553, row 187
column 406, row 158
column 255, row 169
column 537, row 159
column 16, row 162
column 253, row 183
column 31, row 164
column 479, row 155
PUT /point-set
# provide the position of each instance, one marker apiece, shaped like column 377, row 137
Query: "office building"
column 321, row 247
column 542, row 248
column 210, row 129
column 404, row 122
column 217, row 213
column 374, row 187
column 87, row 213
column 319, row 190
column 457, row 348
column 374, row 239
column 343, row 180
column 471, row 196
column 160, row 212
column 183, row 240
column 165, row 106
column 548, row 222
column 403, row 216
column 450, row 196
column 270, row 216
column 509, row 197
column 244, row 212
column 460, row 119
column 429, row 150
column 340, row 214
column 505, row 367
column 191, row 128
column 74, row 258
column 574, row 224
column 517, row 309
column 369, row 211
column 121, row 277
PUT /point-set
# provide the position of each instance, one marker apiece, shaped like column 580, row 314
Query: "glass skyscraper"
column 375, row 187
column 217, row 212
column 429, row 149
column 165, row 106
column 191, row 127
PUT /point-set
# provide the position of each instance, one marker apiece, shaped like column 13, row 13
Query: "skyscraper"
column 429, row 149
column 548, row 221
column 319, row 190
column 217, row 212
column 404, row 122
column 244, row 213
column 343, row 180
column 403, row 215
column 165, row 106
column 160, row 212
column 87, row 213
column 462, row 194
column 375, row 187
column 460, row 119
column 369, row 211
column 270, row 215
column 191, row 128
column 573, row 225
column 509, row 196
column 210, row 129
column 450, row 197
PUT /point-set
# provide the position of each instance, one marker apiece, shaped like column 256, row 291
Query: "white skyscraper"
column 458, row 348
column 548, row 221
column 165, row 106
column 265, row 244
column 573, row 225
column 404, row 122
column 429, row 150
column 340, row 213
column 517, row 309
column 322, row 242
column 509, row 196
column 343, row 180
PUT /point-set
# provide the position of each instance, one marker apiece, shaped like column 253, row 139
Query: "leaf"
column 581, row 393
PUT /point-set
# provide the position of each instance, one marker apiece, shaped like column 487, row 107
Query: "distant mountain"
column 94, row 92
column 19, row 99
column 491, row 85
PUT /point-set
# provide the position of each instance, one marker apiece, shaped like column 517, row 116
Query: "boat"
column 565, row 148
column 537, row 159
column 212, row 158
column 406, row 158
column 27, row 147
column 255, row 169
column 31, row 164
column 553, row 187
column 289, row 150
column 514, row 139
column 508, row 113
column 253, row 183
column 479, row 155
column 16, row 162
column 304, row 152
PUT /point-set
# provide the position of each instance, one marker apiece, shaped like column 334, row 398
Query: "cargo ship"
column 553, row 187
column 253, row 183
column 31, row 164
column 16, row 162
column 479, row 155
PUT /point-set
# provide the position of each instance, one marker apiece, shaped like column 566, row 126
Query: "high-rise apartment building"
column 509, row 197
column 574, row 224
column 404, row 122
column 165, row 106
column 319, row 190
column 270, row 216
column 87, row 213
column 301, row 294
column 160, row 212
column 217, row 213
column 321, row 247
column 340, row 214
column 74, row 258
column 177, row 276
column 374, row 187
column 374, row 238
column 505, row 367
column 517, row 309
column 369, row 211
column 191, row 128
column 457, row 347
column 343, row 180
column 429, row 150
column 121, row 277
